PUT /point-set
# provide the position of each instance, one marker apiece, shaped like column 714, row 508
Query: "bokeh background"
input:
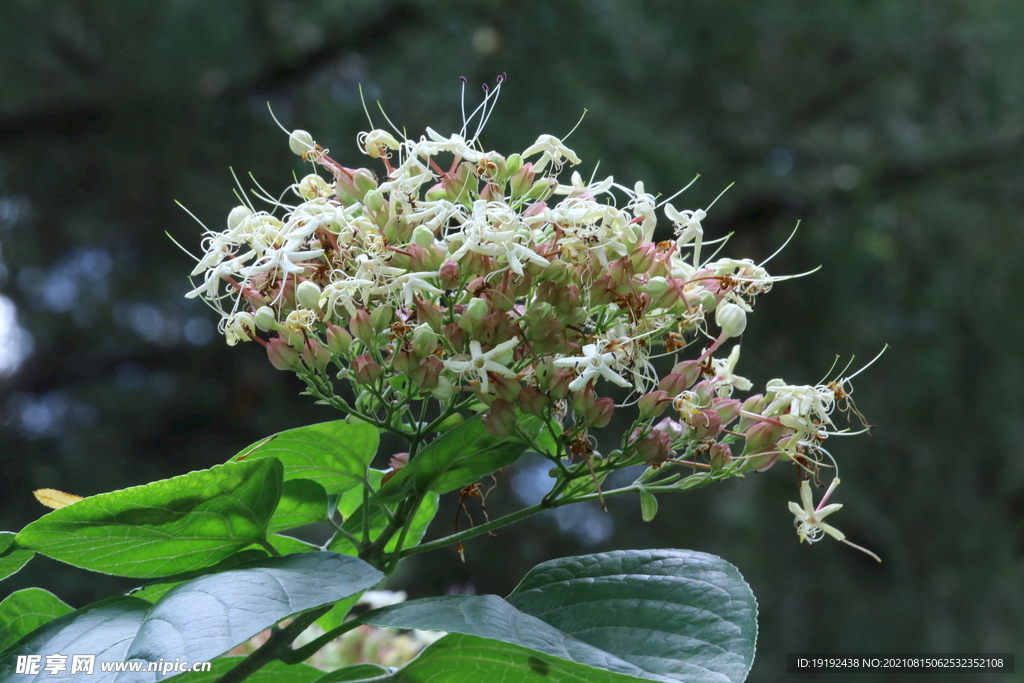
column 891, row 129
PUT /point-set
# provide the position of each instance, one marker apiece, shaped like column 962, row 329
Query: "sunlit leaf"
column 164, row 528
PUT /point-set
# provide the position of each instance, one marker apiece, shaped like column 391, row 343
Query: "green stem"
column 478, row 530
column 278, row 646
column 269, row 548
column 311, row 648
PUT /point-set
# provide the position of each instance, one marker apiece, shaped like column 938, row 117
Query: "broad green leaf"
column 26, row 610
column 468, row 659
column 488, row 616
column 356, row 672
column 378, row 521
column 676, row 613
column 333, row 454
column 275, row 672
column 302, row 502
column 457, row 458
column 286, row 545
column 656, row 614
column 350, row 501
column 155, row 590
column 164, row 528
column 197, row 620
column 12, row 558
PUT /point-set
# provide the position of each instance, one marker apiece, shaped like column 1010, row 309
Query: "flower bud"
column 655, row 448
column 313, row 186
column 437, row 193
column 476, row 309
column 760, row 450
column 426, row 375
column 444, row 389
column 754, row 404
column 731, row 318
column 455, row 335
column 728, row 409
column 721, row 456
column 381, row 318
column 404, row 360
column 706, row 424
column 492, row 193
column 674, row 383
column 266, row 319
column 513, row 163
column 237, row 216
column 422, row 236
column 300, row 142
column 338, row 340
column 533, row 401
column 363, row 181
column 642, row 258
column 522, row 180
column 584, row 399
column 669, row 426
column 500, row 420
column 308, row 294
column 542, row 189
column 424, row 341
column 428, row 314
column 653, row 404
column 373, row 201
column 361, row 328
column 601, row 414
column 656, row 286
column 449, row 275
column 398, row 461
column 558, row 384
column 366, row 370
column 282, row 356
column 315, row 355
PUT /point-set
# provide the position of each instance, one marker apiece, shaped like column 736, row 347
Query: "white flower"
column 808, row 522
column 593, row 363
column 687, row 228
column 376, row 143
column 481, row 363
column 726, row 380
column 552, row 150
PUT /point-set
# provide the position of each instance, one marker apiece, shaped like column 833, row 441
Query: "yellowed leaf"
column 52, row 498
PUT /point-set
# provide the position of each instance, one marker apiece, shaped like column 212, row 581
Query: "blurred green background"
column 892, row 129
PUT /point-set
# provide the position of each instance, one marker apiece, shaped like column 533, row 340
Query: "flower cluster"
column 487, row 281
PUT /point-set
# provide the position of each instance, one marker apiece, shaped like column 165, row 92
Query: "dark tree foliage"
column 891, row 130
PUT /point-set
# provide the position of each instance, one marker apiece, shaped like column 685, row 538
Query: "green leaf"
column 164, row 528
column 350, row 501
column 659, row 614
column 457, row 458
column 469, row 659
column 12, row 558
column 26, row 610
column 200, row 619
column 378, row 521
column 274, row 672
column 648, row 505
column 333, row 454
column 356, row 672
column 155, row 590
column 302, row 502
column 286, row 545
